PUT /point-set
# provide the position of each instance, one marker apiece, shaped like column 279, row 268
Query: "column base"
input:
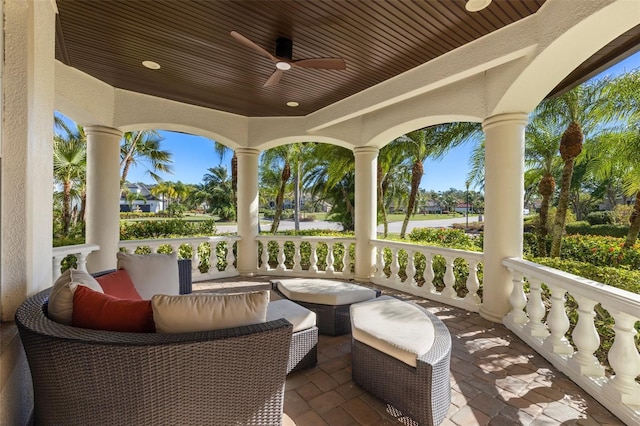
column 491, row 316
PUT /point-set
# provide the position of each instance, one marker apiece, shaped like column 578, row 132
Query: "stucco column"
column 366, row 210
column 248, row 208
column 503, row 201
column 103, row 195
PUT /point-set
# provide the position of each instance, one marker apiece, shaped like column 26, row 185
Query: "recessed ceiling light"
column 292, row 104
column 476, row 5
column 151, row 65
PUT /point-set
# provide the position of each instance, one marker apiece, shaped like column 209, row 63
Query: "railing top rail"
column 158, row 241
column 475, row 255
column 77, row 248
column 612, row 297
column 305, row 238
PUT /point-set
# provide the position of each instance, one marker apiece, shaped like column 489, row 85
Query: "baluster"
column 313, row 257
column 297, row 257
column 57, row 265
column 265, row 256
column 449, row 278
column 81, row 261
column 429, row 275
column 624, row 359
column 410, row 270
column 380, row 263
column 518, row 299
column 329, row 269
column 346, row 259
column 281, row 267
column 395, row 266
column 558, row 323
column 535, row 309
column 473, row 284
column 230, row 257
column 195, row 257
column 587, row 340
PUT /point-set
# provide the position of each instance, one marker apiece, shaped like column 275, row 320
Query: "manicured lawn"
column 399, row 217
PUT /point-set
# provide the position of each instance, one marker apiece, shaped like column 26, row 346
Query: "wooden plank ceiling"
column 201, row 64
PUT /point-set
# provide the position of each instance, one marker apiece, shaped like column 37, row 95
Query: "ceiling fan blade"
column 322, row 63
column 248, row 43
column 274, row 79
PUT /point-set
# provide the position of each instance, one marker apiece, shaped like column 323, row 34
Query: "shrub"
column 584, row 228
column 599, row 218
column 621, row 214
column 452, row 238
column 165, row 229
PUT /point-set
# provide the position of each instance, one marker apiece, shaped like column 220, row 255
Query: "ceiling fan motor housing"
column 284, row 48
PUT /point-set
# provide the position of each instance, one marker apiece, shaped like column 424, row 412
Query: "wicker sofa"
column 223, row 377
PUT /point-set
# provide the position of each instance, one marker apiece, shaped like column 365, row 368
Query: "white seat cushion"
column 324, row 292
column 399, row 329
column 301, row 317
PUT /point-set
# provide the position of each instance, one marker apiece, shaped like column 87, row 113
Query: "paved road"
column 321, row 224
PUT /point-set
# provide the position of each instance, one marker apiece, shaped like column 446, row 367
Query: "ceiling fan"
column 284, row 58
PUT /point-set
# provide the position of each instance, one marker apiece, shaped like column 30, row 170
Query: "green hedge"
column 165, row 229
column 585, row 228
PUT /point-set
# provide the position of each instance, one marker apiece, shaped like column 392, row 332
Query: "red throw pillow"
column 119, row 284
column 98, row 311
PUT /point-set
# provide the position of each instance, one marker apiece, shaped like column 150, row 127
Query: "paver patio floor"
column 496, row 379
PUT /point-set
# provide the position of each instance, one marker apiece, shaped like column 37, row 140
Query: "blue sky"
column 194, row 155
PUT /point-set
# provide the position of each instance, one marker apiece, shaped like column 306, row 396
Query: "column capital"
column 247, row 151
column 520, row 118
column 366, row 150
column 107, row 131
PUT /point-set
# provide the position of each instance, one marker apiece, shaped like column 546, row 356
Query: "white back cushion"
column 60, row 307
column 151, row 273
column 202, row 312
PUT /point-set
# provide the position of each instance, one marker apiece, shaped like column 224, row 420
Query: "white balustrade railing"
column 392, row 255
column 221, row 260
column 79, row 251
column 328, row 257
column 619, row 392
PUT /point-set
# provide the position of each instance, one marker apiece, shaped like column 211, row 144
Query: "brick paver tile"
column 326, row 402
column 349, row 390
column 468, row 416
column 487, row 404
column 363, row 413
column 333, row 365
column 324, row 381
column 338, row 417
column 543, row 420
column 511, row 384
column 518, row 416
column 342, row 376
column 562, row 412
column 295, row 381
column 308, row 391
column 310, row 418
column 294, row 405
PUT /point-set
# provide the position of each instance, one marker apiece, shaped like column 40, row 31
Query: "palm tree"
column 581, row 110
column 433, row 142
column 392, row 172
column 165, row 191
column 222, row 150
column 69, row 169
column 143, row 147
column 217, row 185
column 280, row 158
column 331, row 176
column 542, row 162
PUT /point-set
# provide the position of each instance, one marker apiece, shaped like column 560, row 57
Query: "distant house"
column 147, row 202
column 432, row 207
column 463, row 208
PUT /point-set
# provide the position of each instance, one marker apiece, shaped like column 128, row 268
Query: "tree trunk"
column 296, row 198
column 350, row 208
column 381, row 178
column 286, row 173
column 234, row 181
column 66, row 207
column 634, row 224
column 546, row 187
column 570, row 148
column 83, row 209
column 416, row 176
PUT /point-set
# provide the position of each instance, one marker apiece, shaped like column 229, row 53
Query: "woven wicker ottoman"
column 303, row 352
column 329, row 299
column 400, row 353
